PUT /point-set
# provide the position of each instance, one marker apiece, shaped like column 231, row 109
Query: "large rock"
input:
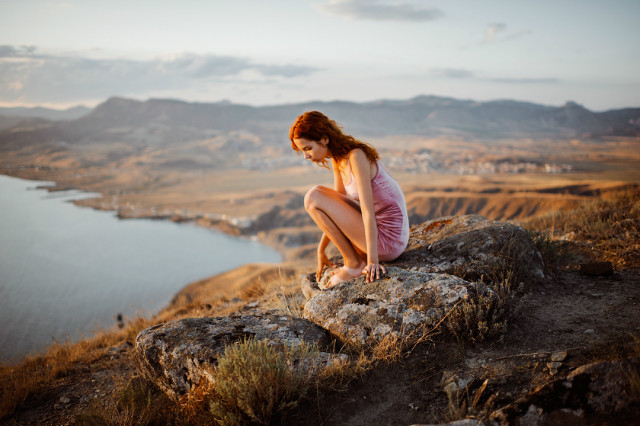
column 180, row 354
column 605, row 392
column 402, row 304
column 472, row 247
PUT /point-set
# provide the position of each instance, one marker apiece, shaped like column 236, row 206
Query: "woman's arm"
column 323, row 260
column 361, row 168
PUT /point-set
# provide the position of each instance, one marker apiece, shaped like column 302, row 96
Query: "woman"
column 365, row 214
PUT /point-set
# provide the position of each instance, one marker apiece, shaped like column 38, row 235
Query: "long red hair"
column 314, row 125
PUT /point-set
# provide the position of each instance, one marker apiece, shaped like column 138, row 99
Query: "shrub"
column 257, row 382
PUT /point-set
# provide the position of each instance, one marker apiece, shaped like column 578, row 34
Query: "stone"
column 593, row 394
column 64, row 400
column 471, row 247
column 178, row 355
column 463, row 422
column 403, row 304
column 558, row 356
column 597, row 268
column 310, row 286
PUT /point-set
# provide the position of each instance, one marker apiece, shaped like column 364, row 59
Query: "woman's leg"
column 340, row 219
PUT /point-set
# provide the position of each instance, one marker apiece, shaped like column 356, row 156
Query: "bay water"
column 66, row 271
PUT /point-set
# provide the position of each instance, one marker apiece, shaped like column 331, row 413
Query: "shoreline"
column 230, row 226
column 50, row 185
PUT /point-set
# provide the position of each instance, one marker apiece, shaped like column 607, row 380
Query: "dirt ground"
column 590, row 317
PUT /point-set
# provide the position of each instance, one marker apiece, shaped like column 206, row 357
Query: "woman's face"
column 312, row 150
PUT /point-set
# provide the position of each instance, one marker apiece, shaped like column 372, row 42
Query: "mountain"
column 162, row 121
column 46, row 113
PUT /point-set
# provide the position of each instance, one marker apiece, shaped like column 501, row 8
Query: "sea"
column 68, row 271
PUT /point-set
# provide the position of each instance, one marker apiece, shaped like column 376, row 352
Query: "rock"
column 599, row 393
column 558, row 356
column 401, row 303
column 472, row 246
column 464, row 422
column 597, row 268
column 177, row 355
column 310, row 286
column 64, row 400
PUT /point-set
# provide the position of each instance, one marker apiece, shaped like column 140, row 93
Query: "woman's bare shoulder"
column 357, row 154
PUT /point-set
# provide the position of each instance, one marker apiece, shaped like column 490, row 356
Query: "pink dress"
column 390, row 208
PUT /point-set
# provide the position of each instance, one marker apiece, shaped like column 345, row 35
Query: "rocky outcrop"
column 434, row 275
column 472, row 247
column 601, row 393
column 180, row 354
column 436, row 272
column 402, row 304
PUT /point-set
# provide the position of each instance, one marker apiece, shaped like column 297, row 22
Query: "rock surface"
column 398, row 305
column 600, row 393
column 472, row 246
column 178, row 355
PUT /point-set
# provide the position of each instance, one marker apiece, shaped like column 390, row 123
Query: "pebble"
column 589, row 331
column 64, row 400
column 558, row 356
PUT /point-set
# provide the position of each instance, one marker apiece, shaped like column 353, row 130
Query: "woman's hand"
column 373, row 271
column 323, row 261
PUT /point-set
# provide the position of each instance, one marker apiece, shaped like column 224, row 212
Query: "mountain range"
column 163, row 121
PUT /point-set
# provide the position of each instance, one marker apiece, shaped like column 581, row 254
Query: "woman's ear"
column 324, row 141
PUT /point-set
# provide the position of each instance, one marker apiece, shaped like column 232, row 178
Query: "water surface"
column 66, row 270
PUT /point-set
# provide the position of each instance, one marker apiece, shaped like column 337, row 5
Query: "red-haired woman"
column 365, row 214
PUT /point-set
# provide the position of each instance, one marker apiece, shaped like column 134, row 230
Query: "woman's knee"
column 312, row 197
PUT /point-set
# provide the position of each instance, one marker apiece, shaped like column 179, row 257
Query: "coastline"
column 46, row 183
column 232, row 226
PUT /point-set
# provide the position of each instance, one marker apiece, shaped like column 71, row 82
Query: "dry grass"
column 35, row 374
column 136, row 403
column 605, row 229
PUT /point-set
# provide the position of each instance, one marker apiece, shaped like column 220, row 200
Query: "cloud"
column 452, row 73
column 524, row 80
column 27, row 76
column 491, row 33
column 375, row 10
column 492, row 30
column 11, row 51
column 518, row 34
column 459, row 73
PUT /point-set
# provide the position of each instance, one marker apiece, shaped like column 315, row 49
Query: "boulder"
column 471, row 247
column 180, row 354
column 401, row 304
column 600, row 393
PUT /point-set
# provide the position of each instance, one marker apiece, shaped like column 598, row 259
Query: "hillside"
column 575, row 317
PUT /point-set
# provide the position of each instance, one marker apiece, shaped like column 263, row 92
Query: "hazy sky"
column 261, row 52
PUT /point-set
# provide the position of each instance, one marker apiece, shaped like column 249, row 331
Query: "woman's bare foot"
column 344, row 274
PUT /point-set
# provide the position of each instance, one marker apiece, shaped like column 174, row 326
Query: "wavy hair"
column 314, row 125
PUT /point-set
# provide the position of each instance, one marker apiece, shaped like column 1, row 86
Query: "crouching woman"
column 365, row 214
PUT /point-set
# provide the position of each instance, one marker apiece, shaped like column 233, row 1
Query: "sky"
column 61, row 53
